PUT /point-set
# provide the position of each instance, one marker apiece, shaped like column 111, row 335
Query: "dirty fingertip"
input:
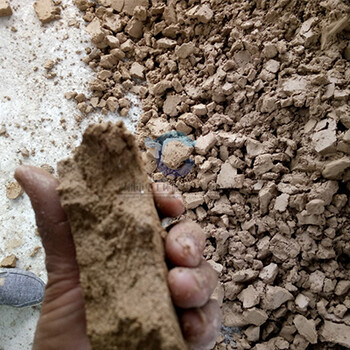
column 21, row 173
column 185, row 243
column 167, row 199
column 201, row 326
column 34, row 179
column 192, row 287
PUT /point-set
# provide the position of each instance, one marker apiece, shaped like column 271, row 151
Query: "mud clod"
column 13, row 190
column 118, row 236
column 5, row 9
column 9, row 261
column 46, row 10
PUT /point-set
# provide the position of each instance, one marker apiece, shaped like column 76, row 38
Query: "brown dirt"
column 13, row 190
column 263, row 87
column 106, row 193
column 9, row 261
column 5, row 8
column 46, row 10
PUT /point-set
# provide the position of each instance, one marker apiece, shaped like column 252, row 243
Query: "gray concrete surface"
column 31, row 109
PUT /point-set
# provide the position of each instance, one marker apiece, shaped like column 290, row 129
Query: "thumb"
column 52, row 222
column 62, row 322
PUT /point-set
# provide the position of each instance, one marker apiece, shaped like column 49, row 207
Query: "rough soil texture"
column 106, row 193
column 5, row 8
column 263, row 88
column 9, row 261
column 13, row 190
column 46, row 10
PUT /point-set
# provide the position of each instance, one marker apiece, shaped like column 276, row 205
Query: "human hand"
column 62, row 323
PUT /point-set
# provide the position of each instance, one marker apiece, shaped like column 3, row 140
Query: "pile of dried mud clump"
column 263, row 89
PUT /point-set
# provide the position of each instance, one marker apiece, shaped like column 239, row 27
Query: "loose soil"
column 263, row 89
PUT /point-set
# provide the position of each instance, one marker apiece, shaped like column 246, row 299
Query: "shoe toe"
column 20, row 288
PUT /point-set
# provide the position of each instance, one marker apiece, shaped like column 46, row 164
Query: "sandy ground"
column 31, row 110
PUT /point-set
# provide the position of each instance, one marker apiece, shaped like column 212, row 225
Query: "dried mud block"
column 227, row 177
column 5, row 9
column 335, row 169
column 249, row 297
column 205, row 143
column 203, row 13
column 49, row 64
column 306, row 328
column 46, row 10
column 13, row 190
column 333, row 29
column 343, row 287
column 255, row 316
column 170, row 105
column 9, row 261
column 82, row 5
column 302, row 302
column 175, row 153
column 269, row 273
column 336, row 333
column 275, row 297
column 194, row 199
column 185, row 50
column 118, row 236
column 137, row 71
column 97, row 34
column 130, row 5
column 134, row 28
